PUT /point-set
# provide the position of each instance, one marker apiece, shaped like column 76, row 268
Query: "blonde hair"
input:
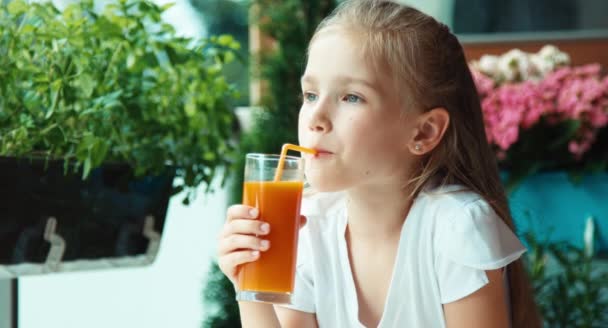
column 427, row 62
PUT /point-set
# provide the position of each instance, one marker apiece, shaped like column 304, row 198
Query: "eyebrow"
column 342, row 79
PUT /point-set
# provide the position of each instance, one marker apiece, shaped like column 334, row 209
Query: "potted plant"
column 548, row 122
column 103, row 116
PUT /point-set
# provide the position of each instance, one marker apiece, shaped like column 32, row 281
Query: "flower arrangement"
column 541, row 113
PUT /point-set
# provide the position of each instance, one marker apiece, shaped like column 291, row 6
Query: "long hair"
column 428, row 66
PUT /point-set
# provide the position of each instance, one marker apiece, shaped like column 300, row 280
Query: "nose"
column 320, row 120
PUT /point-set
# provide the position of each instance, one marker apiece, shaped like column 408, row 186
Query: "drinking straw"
column 284, row 150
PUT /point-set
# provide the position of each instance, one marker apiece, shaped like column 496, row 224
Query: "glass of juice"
column 270, row 279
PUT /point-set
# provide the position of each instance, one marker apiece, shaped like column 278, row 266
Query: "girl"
column 409, row 225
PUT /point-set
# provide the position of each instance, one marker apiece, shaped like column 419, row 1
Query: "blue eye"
column 353, row 99
column 310, row 97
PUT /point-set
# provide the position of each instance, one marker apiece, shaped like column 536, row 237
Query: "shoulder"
column 455, row 206
column 452, row 199
column 467, row 230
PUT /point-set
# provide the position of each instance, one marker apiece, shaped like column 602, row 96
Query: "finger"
column 241, row 212
column 237, row 242
column 241, row 226
column 229, row 262
column 303, row 221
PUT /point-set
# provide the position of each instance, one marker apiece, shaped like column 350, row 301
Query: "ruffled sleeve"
column 472, row 241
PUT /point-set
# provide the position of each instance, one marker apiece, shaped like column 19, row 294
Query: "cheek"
column 301, row 126
column 374, row 141
column 362, row 133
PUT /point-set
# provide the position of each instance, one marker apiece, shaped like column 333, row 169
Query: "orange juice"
column 279, row 205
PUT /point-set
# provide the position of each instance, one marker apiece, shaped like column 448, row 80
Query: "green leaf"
column 27, row 29
column 209, row 156
column 167, row 6
column 190, row 108
column 131, row 61
column 87, row 168
column 17, row 7
column 87, row 84
column 228, row 57
column 99, row 152
column 225, row 40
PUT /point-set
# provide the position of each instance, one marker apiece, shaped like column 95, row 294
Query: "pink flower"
column 484, row 84
column 577, row 149
column 568, row 93
column 569, row 101
column 583, row 143
column 588, row 70
column 506, row 137
column 598, row 117
column 536, row 104
column 503, row 109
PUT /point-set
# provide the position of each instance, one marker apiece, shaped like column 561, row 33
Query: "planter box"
column 555, row 208
column 101, row 219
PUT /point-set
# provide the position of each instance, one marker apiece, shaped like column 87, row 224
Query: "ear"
column 429, row 130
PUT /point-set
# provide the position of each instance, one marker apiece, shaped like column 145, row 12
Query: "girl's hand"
column 242, row 239
column 238, row 243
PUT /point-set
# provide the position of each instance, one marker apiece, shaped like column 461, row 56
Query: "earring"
column 418, row 147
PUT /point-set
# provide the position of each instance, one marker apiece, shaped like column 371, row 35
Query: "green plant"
column 571, row 286
column 231, row 17
column 114, row 86
column 220, row 297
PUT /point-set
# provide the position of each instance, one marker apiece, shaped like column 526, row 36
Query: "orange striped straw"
column 284, row 150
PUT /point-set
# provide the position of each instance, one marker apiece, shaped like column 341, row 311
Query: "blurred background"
column 554, row 165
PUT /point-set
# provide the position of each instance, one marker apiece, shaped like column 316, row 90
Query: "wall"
column 166, row 294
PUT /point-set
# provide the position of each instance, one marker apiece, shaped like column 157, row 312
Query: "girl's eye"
column 310, row 97
column 353, row 99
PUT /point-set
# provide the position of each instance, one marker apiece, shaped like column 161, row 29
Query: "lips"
column 321, row 152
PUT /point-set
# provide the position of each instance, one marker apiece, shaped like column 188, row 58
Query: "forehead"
column 337, row 51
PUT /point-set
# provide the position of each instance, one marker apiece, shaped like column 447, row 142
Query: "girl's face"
column 353, row 117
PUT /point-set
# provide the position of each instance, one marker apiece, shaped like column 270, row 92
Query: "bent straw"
column 284, row 150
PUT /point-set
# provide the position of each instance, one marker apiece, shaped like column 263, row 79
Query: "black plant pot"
column 97, row 218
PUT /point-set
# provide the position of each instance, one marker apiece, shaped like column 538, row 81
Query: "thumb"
column 302, row 220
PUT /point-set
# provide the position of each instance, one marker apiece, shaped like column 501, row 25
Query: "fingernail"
column 264, row 244
column 255, row 253
column 253, row 212
column 264, row 228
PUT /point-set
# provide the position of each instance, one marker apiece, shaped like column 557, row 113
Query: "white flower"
column 540, row 65
column 514, row 65
column 549, row 58
column 488, row 64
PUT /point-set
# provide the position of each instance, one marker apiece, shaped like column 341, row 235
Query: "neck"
column 377, row 213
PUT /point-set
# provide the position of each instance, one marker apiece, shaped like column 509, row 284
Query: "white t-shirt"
column 450, row 236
